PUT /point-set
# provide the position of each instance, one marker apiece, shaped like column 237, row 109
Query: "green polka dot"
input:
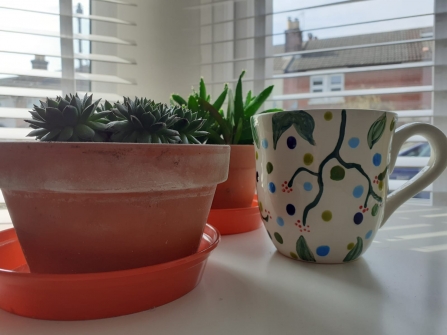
column 279, row 238
column 256, row 155
column 328, row 116
column 350, row 246
column 261, row 208
column 381, row 185
column 326, row 216
column 337, row 173
column 293, row 255
column 392, row 124
column 374, row 210
column 308, row 159
column 269, row 167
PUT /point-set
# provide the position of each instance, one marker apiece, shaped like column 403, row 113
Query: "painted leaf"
column 355, row 252
column 266, row 218
column 303, row 250
column 254, row 129
column 374, row 210
column 392, row 124
column 376, row 130
column 382, row 174
column 303, row 123
column 278, row 237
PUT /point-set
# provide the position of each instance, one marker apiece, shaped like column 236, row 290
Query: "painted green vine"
column 374, row 135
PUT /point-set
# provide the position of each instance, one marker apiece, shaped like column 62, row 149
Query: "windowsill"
column 325, row 101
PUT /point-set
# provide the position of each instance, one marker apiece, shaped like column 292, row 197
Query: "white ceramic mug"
column 322, row 178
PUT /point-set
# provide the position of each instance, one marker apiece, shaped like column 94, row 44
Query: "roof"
column 280, row 63
column 381, row 55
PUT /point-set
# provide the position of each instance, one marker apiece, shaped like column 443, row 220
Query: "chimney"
column 39, row 63
column 294, row 36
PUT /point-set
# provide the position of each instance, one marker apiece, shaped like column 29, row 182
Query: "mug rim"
column 327, row 110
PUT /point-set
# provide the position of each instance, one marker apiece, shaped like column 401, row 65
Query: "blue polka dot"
column 290, row 209
column 358, row 218
column 354, row 142
column 323, row 250
column 368, row 234
column 291, row 142
column 280, row 221
column 307, row 186
column 272, row 187
column 377, row 159
column 358, row 191
column 265, row 143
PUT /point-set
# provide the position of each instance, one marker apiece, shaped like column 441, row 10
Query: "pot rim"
column 118, row 144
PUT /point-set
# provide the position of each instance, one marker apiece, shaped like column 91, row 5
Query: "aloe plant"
column 232, row 127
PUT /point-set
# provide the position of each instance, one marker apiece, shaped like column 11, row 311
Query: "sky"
column 16, row 19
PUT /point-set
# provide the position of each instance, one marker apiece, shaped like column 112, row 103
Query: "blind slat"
column 278, row 12
column 43, row 93
column 75, row 15
column 92, row 57
column 350, row 93
column 78, row 76
column 12, row 134
column 14, row 113
column 395, row 184
column 85, row 37
column 333, row 71
column 317, row 28
column 118, row 2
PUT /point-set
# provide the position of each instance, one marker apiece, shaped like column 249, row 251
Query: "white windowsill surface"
column 397, row 287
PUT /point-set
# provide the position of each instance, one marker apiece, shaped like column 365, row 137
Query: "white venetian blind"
column 55, row 47
column 369, row 54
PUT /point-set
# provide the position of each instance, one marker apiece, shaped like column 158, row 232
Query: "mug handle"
column 435, row 166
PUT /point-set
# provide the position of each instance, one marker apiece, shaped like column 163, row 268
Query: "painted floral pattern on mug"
column 322, row 180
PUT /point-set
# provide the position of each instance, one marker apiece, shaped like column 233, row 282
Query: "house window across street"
column 327, row 83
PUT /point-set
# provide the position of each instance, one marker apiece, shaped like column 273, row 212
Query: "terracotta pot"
column 239, row 189
column 92, row 207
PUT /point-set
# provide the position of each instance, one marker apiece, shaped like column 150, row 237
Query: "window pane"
column 335, row 80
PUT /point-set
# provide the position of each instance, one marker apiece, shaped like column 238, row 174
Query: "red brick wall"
column 370, row 80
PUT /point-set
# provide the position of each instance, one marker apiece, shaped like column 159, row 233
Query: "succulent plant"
column 107, row 106
column 234, row 126
column 69, row 119
column 144, row 121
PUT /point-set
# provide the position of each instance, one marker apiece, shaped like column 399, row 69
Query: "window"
column 73, row 49
column 368, row 59
column 328, row 83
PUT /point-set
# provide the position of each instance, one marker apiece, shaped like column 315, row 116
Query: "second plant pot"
column 239, row 189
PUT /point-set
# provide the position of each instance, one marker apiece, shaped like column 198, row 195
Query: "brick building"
column 350, row 59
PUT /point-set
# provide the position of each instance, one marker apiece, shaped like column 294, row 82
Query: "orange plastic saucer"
column 236, row 220
column 95, row 295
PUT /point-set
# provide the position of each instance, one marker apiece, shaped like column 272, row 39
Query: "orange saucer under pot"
column 236, row 220
column 95, row 295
